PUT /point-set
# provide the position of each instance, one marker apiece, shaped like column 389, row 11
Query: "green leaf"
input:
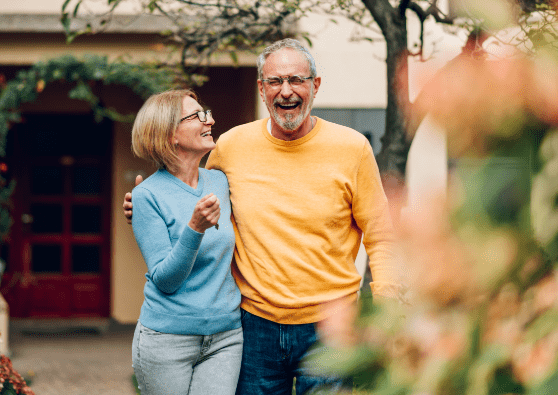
column 65, row 22
column 66, row 2
column 71, row 36
column 481, row 374
column 307, row 39
column 542, row 326
column 152, row 5
column 547, row 387
column 76, row 9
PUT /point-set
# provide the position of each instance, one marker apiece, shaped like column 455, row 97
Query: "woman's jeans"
column 168, row 364
column 272, row 358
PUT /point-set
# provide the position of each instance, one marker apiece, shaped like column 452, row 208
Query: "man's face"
column 288, row 105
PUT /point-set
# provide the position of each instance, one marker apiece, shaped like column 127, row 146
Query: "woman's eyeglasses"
column 202, row 116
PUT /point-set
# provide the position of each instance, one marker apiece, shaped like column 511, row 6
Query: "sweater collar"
column 194, row 191
column 291, row 143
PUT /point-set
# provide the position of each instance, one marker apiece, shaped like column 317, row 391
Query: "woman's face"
column 192, row 135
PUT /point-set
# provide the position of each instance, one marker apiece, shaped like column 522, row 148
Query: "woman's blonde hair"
column 154, row 127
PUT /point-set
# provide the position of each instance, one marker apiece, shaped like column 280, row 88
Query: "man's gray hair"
column 285, row 43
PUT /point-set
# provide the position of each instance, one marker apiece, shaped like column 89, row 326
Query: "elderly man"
column 303, row 193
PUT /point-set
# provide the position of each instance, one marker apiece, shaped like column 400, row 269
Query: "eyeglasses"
column 294, row 80
column 202, row 116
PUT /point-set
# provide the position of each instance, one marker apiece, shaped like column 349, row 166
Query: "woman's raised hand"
column 206, row 213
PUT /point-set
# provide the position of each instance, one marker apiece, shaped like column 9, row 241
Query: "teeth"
column 206, row 134
column 288, row 105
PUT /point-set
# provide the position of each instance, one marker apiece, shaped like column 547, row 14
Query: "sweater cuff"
column 388, row 290
column 190, row 238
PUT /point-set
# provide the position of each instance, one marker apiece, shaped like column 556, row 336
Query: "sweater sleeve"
column 372, row 216
column 168, row 266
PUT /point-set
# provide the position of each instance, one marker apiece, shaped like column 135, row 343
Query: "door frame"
column 24, row 289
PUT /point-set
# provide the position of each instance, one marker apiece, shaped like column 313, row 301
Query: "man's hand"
column 337, row 330
column 206, row 213
column 127, row 206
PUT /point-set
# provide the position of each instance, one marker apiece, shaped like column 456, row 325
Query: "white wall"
column 353, row 73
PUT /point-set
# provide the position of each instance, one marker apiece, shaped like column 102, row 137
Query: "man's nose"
column 286, row 89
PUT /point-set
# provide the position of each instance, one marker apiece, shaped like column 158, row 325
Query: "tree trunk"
column 392, row 158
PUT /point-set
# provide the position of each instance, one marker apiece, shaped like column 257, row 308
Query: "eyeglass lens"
column 203, row 115
column 294, row 80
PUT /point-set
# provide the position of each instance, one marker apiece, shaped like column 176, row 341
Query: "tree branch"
column 432, row 11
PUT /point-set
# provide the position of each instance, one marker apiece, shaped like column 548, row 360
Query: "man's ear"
column 317, row 82
column 261, row 90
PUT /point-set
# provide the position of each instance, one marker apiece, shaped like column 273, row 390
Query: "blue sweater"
column 189, row 289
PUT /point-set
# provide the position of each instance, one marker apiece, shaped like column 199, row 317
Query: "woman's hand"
column 206, row 213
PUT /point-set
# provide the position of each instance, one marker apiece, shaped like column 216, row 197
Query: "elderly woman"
column 188, row 339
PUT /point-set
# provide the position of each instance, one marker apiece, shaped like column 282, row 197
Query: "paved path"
column 75, row 361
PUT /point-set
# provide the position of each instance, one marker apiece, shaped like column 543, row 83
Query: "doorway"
column 58, row 251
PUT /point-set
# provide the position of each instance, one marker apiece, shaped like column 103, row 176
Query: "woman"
column 188, row 339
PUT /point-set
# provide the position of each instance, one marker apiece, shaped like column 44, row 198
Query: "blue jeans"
column 272, row 357
column 168, row 364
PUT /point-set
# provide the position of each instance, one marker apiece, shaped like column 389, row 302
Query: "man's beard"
column 291, row 122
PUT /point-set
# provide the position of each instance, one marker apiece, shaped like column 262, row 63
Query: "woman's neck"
column 188, row 171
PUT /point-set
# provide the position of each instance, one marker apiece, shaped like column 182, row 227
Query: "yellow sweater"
column 299, row 210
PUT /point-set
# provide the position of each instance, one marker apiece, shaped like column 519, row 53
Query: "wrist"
column 195, row 228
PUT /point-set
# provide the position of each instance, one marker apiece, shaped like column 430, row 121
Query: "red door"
column 58, row 250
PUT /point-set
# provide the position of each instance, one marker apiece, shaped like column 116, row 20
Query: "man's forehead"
column 286, row 60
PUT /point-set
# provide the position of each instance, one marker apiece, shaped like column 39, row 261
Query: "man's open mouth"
column 288, row 106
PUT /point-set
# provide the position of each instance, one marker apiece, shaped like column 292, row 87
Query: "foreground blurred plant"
column 481, row 262
column 11, row 382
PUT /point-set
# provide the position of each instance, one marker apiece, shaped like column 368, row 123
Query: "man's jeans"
column 185, row 364
column 271, row 359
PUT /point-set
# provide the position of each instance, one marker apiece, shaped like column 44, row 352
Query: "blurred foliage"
column 135, row 384
column 11, row 382
column 527, row 24
column 480, row 260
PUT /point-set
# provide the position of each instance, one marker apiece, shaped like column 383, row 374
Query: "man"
column 303, row 192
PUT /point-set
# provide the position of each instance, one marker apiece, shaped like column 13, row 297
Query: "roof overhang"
column 50, row 23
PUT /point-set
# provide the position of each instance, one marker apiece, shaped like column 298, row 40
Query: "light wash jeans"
column 168, row 364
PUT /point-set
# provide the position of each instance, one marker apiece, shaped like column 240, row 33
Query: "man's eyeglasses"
column 294, row 80
column 202, row 116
